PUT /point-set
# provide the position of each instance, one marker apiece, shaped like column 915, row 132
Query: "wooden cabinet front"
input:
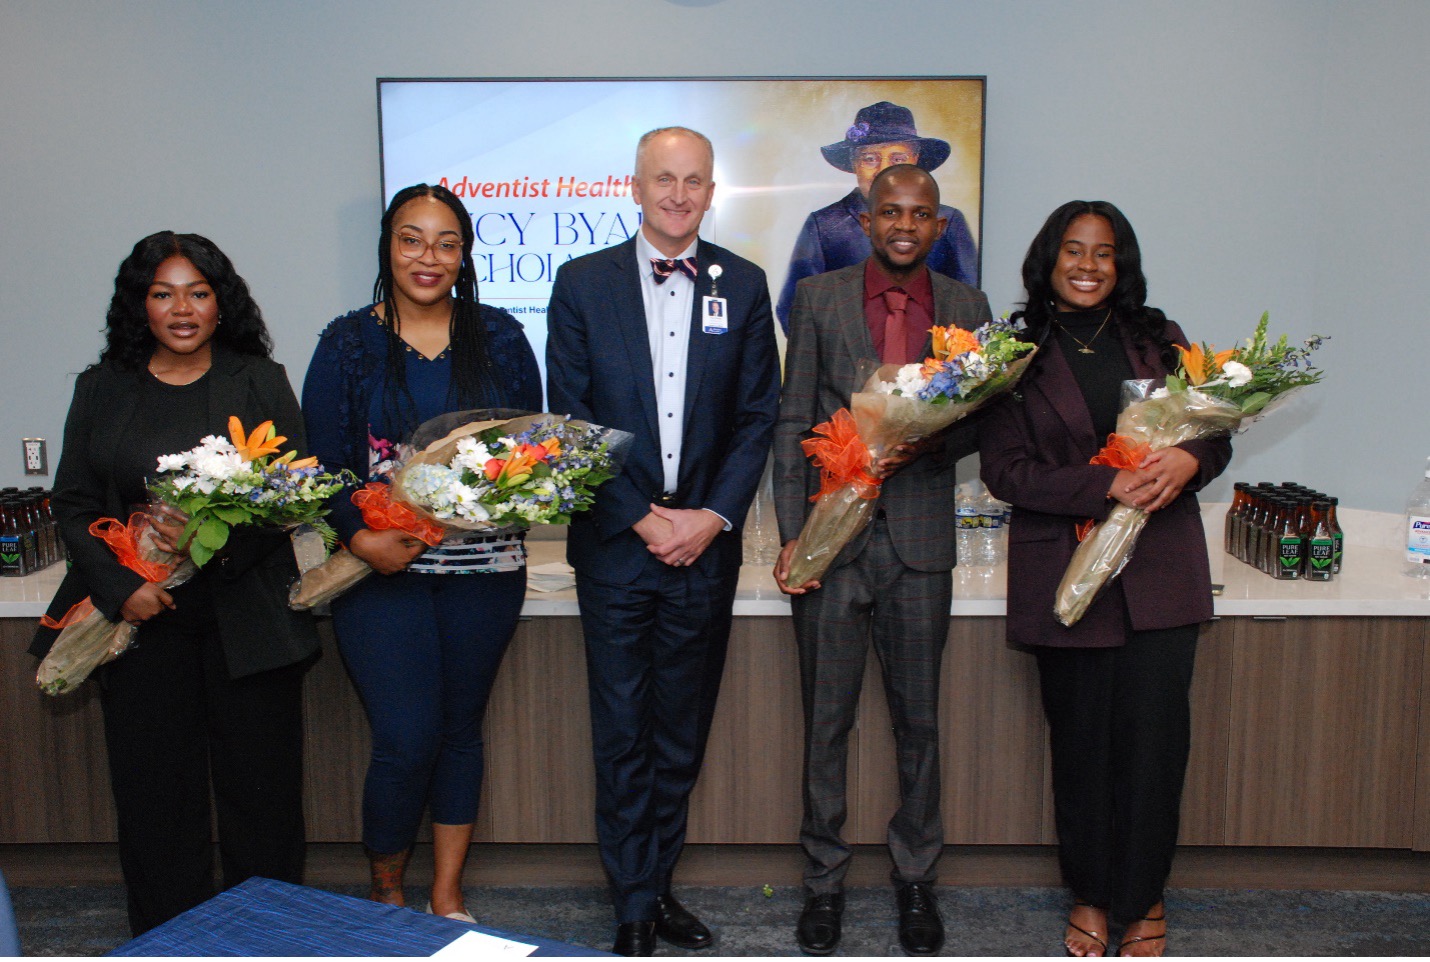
column 1307, row 732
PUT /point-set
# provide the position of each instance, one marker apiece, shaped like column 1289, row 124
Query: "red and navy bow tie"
column 665, row 266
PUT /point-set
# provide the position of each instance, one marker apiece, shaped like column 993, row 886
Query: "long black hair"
column 473, row 376
column 1128, row 301
column 128, row 340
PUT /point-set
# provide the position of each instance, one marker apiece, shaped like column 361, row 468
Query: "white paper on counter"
column 555, row 576
column 475, row 945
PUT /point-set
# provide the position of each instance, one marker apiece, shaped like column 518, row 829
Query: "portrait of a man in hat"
column 882, row 135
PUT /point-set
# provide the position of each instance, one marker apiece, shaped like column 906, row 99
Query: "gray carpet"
column 90, row 920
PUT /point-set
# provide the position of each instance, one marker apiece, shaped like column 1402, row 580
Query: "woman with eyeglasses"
column 423, row 638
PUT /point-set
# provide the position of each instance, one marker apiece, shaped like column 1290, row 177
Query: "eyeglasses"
column 443, row 249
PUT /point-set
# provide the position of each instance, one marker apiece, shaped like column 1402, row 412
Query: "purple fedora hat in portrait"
column 885, row 123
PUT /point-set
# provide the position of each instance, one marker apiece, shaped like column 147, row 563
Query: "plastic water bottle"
column 1417, row 529
column 967, row 520
column 990, row 529
column 1000, row 544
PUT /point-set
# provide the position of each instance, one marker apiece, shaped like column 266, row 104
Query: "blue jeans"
column 423, row 651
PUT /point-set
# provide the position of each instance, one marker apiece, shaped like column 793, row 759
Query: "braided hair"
column 474, row 378
column 1128, row 301
column 130, row 344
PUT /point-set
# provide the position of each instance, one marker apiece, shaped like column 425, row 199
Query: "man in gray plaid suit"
column 890, row 585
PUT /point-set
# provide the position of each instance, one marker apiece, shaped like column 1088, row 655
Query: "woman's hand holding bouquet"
column 202, row 495
column 1212, row 393
column 472, row 473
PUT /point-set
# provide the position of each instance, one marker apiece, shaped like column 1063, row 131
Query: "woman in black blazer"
column 209, row 697
column 1115, row 686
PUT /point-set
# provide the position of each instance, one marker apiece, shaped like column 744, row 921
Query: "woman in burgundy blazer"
column 1115, row 685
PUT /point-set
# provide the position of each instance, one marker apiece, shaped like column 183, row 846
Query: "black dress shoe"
column 920, row 925
column 635, row 938
column 675, row 923
column 818, row 929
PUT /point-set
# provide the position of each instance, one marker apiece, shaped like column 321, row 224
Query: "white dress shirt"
column 668, row 309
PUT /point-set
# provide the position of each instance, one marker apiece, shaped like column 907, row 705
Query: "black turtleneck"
column 1099, row 374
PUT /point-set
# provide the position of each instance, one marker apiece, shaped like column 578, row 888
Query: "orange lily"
column 308, row 462
column 263, row 441
column 517, row 468
column 952, row 341
column 1195, row 363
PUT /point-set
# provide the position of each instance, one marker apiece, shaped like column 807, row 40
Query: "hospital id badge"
column 713, row 315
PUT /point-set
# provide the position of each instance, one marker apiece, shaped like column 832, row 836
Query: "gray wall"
column 1270, row 154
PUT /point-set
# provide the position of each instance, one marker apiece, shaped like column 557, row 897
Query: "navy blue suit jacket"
column 598, row 368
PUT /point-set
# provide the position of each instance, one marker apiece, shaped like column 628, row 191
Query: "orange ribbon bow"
column 123, row 540
column 842, row 458
column 1122, row 453
column 380, row 512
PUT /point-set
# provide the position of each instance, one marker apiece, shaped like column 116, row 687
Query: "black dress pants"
column 1120, row 730
column 173, row 722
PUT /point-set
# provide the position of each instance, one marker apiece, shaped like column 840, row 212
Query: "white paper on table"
column 555, row 576
column 481, row 945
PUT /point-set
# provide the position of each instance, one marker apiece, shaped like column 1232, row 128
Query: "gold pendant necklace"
column 1085, row 347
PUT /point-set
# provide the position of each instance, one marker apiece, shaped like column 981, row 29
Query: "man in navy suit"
column 671, row 339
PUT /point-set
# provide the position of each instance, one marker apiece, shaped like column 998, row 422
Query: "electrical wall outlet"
column 36, row 462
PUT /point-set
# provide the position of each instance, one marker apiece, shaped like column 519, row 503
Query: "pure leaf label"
column 10, row 559
column 1322, row 553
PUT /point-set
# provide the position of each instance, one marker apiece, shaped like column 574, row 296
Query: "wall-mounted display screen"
column 545, row 167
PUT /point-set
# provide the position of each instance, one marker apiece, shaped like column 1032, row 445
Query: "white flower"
column 1160, row 392
column 213, row 444
column 974, row 366
column 219, row 466
column 1236, row 374
column 173, row 462
column 907, row 381
column 471, row 454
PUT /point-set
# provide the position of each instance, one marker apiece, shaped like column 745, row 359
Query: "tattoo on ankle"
column 387, row 872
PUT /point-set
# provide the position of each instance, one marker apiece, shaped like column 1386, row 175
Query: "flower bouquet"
column 898, row 405
column 1212, row 393
column 220, row 484
column 474, row 473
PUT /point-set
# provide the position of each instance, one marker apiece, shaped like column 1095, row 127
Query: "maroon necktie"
column 666, row 266
column 894, row 348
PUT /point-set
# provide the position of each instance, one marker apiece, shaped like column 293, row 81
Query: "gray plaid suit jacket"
column 828, row 338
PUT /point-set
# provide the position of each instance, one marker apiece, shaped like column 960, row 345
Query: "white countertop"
column 1372, row 583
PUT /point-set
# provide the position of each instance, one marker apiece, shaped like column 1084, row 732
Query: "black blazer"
column 249, row 577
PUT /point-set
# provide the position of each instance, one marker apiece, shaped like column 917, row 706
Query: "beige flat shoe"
column 455, row 916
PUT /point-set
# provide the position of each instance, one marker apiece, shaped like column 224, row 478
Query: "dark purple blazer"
column 1034, row 454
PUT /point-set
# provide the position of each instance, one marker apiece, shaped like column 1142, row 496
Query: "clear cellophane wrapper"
column 1158, row 423
column 884, row 421
column 93, row 640
column 436, row 443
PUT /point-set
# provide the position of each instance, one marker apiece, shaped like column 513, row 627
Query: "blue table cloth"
column 267, row 918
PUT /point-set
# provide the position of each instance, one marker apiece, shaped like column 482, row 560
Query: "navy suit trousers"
column 655, row 651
